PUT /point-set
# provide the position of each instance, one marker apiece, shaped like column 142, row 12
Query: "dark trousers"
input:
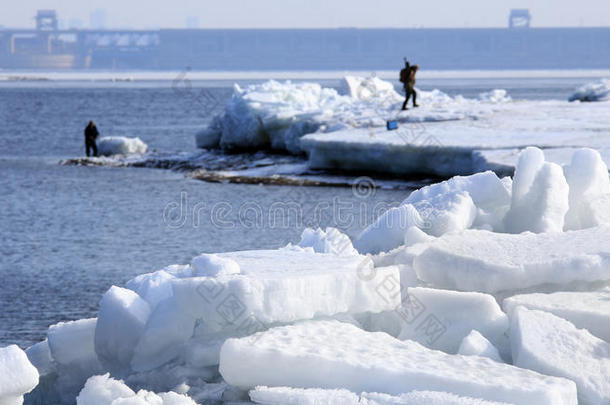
column 409, row 93
column 90, row 145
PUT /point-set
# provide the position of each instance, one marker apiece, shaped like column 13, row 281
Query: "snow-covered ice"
column 480, row 200
column 40, row 357
column 17, row 375
column 73, row 349
column 331, row 354
column 539, row 195
column 103, row 390
column 330, row 240
column 320, row 315
column 477, row 260
column 548, row 344
column 596, row 91
column 299, row 396
column 317, row 396
column 475, row 344
column 425, row 398
column 121, row 321
column 277, row 115
column 588, row 310
column 272, row 286
column 120, row 145
column 589, row 197
column 454, row 315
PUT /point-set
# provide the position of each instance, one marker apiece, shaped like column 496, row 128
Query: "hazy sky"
column 310, row 13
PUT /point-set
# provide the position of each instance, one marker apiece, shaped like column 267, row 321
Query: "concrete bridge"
column 306, row 49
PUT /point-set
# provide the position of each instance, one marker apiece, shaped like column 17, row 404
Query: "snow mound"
column 330, row 240
column 17, row 375
column 103, row 390
column 477, row 260
column 209, row 265
column 495, row 96
column 120, row 145
column 597, row 91
column 588, row 310
column 331, row 354
column 475, row 344
column 553, row 346
column 318, row 396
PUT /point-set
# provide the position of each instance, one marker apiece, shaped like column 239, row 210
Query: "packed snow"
column 332, row 354
column 120, row 145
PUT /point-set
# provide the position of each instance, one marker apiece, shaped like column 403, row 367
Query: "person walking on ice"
column 91, row 134
column 407, row 78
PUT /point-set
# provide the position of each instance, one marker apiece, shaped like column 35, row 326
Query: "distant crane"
column 519, row 18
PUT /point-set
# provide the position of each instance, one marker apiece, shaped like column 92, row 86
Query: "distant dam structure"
column 519, row 47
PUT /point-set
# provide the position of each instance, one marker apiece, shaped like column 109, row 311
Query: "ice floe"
column 277, row 115
column 452, row 316
column 17, row 375
column 587, row 310
column 103, row 390
column 477, row 260
column 596, row 91
column 318, row 320
column 317, row 396
column 120, row 145
column 331, row 354
column 553, row 346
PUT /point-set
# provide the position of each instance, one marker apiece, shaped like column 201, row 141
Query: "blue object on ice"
column 391, row 125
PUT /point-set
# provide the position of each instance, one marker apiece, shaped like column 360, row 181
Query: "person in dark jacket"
column 91, row 134
column 410, row 87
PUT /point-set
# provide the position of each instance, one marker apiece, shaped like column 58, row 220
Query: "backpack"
column 404, row 75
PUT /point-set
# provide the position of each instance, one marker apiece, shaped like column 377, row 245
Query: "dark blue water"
column 68, row 233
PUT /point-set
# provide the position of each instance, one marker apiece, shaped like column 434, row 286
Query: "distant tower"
column 46, row 20
column 519, row 18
